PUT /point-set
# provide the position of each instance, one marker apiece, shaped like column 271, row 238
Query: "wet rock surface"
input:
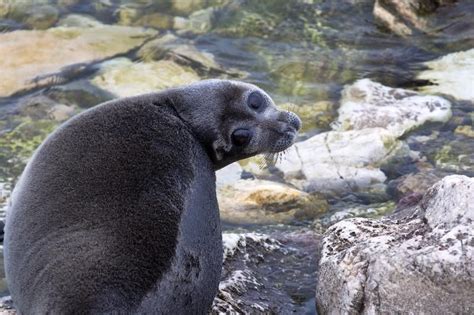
column 327, row 163
column 452, row 74
column 249, row 286
column 122, row 77
column 381, row 266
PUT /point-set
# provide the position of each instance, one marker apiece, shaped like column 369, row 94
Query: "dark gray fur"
column 116, row 212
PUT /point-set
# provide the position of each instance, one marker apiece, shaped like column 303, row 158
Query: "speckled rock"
column 342, row 161
column 452, row 74
column 267, row 274
column 123, row 78
column 27, row 59
column 417, row 261
column 367, row 104
column 267, row 202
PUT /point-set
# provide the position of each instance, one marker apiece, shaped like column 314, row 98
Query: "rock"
column 346, row 210
column 452, row 74
column 267, row 202
column 318, row 115
column 417, row 261
column 79, row 20
column 123, row 78
column 39, row 107
column 78, row 93
column 186, row 7
column 157, row 20
column 456, row 156
column 181, row 51
column 367, row 104
column 228, row 175
column 18, row 144
column 199, row 22
column 128, row 13
column 27, row 54
column 341, row 161
column 6, row 306
column 408, row 184
column 267, row 274
column 465, row 130
column 406, row 17
column 41, row 17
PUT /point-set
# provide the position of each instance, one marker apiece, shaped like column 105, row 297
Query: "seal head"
column 234, row 120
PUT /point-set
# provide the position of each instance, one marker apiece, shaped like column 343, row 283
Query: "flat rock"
column 367, row 104
column 122, row 77
column 452, row 74
column 267, row 202
column 341, row 161
column 417, row 261
column 27, row 55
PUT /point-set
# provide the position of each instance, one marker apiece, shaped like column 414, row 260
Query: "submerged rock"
column 413, row 183
column 342, row 161
column 317, row 115
column 171, row 47
column 406, row 17
column 29, row 57
column 199, row 22
column 417, row 261
column 266, row 274
column 41, row 17
column 79, row 20
column 123, row 78
column 452, row 74
column 18, row 144
column 343, row 210
column 267, row 202
column 367, row 104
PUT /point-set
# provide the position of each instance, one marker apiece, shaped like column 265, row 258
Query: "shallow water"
column 300, row 52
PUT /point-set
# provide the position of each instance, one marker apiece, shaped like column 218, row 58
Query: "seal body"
column 116, row 212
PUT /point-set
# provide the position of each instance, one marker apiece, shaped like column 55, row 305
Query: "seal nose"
column 294, row 120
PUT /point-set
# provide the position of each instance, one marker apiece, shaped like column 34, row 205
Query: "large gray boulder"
column 419, row 260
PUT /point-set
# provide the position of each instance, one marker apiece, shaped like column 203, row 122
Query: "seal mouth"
column 285, row 141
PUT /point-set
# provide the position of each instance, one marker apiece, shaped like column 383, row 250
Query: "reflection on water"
column 301, row 52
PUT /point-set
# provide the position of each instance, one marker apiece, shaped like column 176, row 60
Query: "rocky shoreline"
column 370, row 211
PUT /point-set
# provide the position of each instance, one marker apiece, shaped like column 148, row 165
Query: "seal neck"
column 167, row 104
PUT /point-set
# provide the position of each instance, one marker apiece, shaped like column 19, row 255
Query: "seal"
column 116, row 212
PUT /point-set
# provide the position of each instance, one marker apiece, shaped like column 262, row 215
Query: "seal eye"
column 255, row 100
column 241, row 137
